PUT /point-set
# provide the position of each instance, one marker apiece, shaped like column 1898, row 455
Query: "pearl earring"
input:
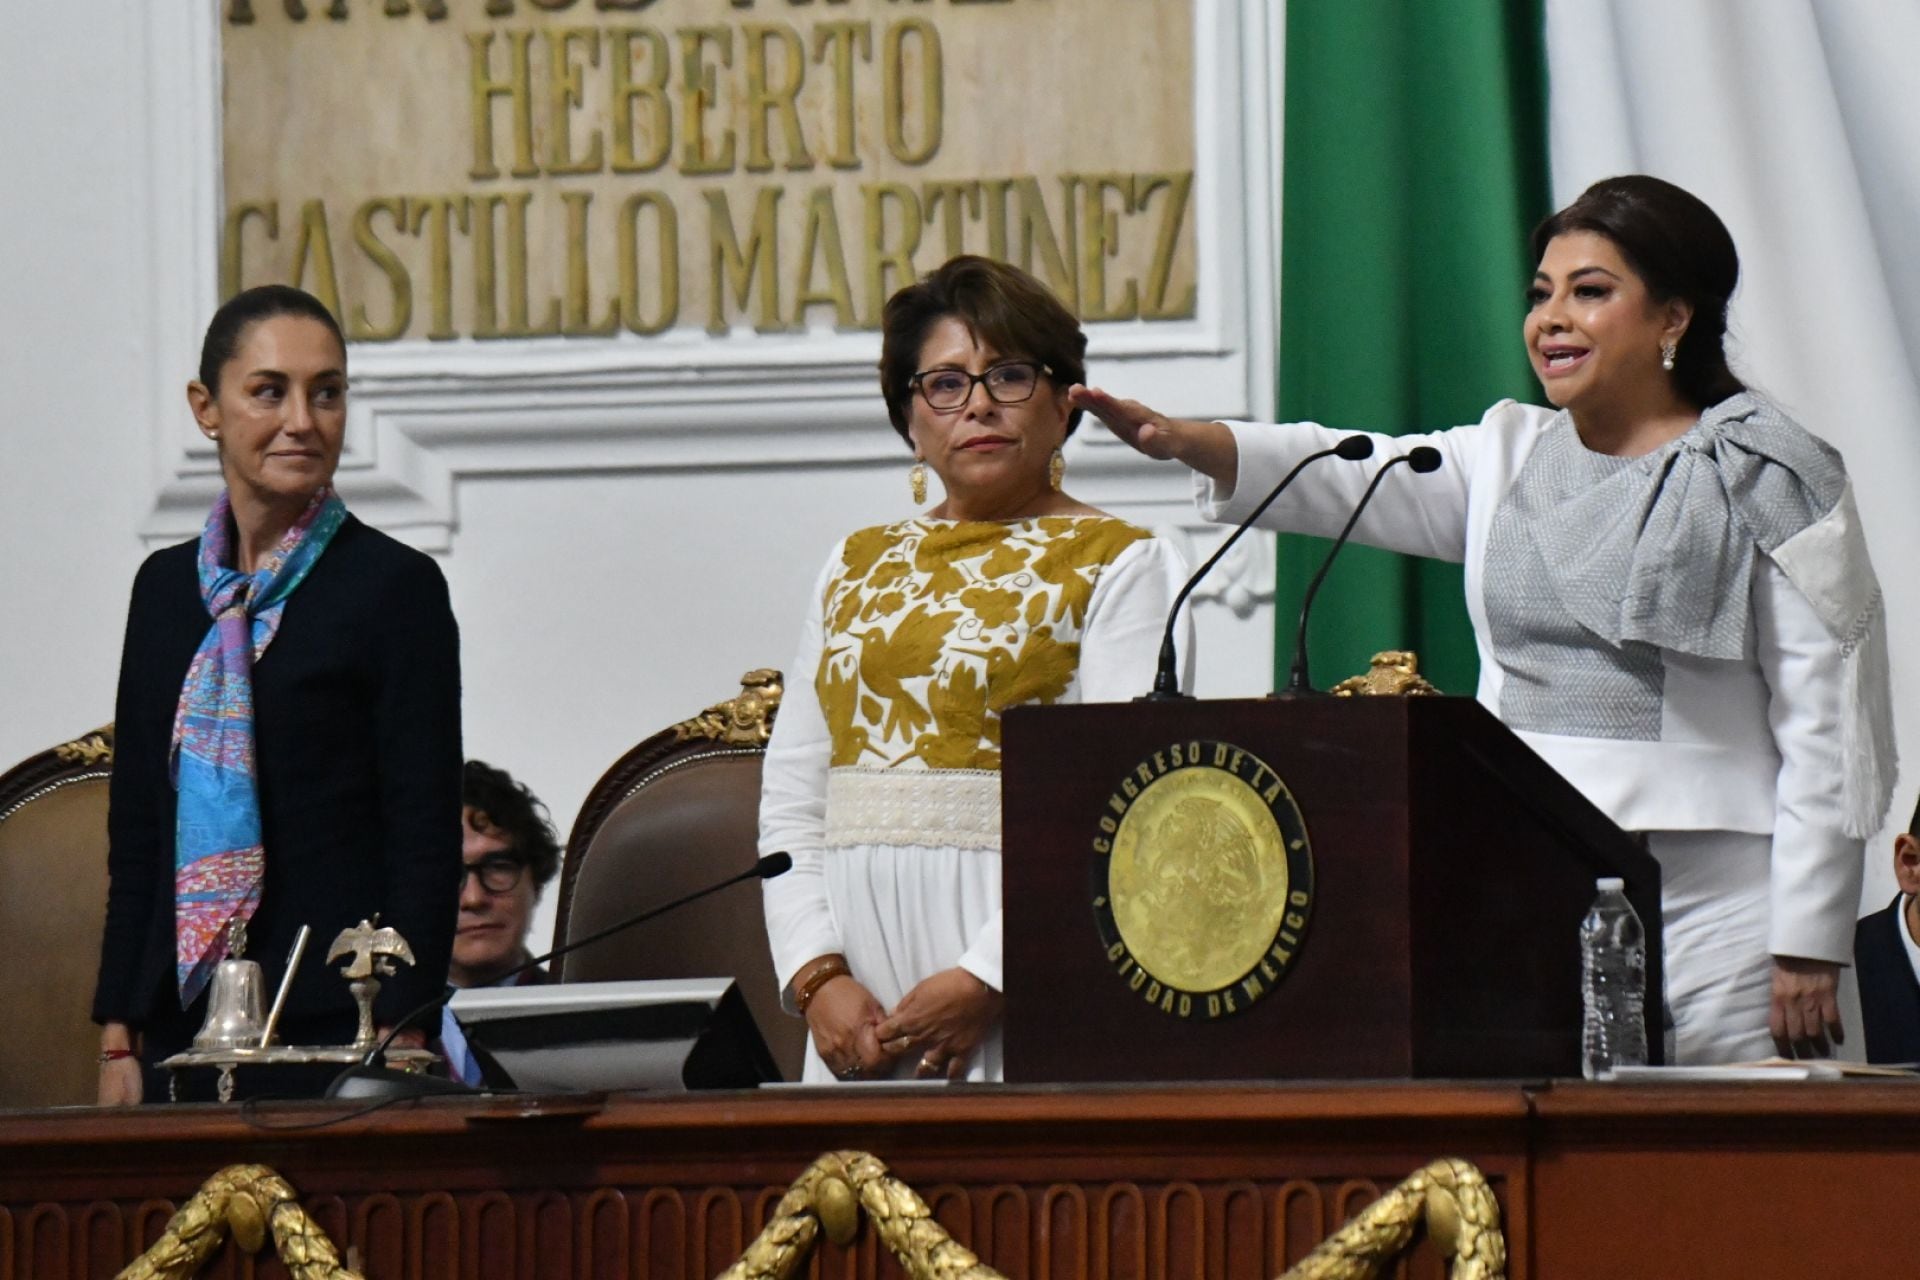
column 1667, row 350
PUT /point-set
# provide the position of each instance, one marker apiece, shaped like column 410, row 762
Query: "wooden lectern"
column 1451, row 867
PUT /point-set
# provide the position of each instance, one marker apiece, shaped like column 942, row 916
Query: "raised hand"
column 1207, row 447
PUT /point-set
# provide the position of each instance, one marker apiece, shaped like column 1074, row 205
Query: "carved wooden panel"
column 1148, row 1230
column 1233, row 1182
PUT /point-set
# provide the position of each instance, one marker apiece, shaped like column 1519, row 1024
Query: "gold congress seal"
column 1202, row 879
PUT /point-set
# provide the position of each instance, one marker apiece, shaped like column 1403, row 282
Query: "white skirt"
column 905, row 913
column 1715, row 900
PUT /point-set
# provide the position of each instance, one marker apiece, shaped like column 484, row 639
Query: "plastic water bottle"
column 1613, row 983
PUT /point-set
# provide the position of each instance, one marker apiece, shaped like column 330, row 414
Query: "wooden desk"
column 1165, row 1183
column 1807, row 1181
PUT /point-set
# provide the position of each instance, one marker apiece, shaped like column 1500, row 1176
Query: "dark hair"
column 1680, row 249
column 247, row 308
column 1002, row 306
column 516, row 813
column 1913, row 823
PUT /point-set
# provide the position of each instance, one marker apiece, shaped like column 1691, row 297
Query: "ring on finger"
column 931, row 1065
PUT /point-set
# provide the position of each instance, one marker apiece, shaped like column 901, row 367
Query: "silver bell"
column 235, row 999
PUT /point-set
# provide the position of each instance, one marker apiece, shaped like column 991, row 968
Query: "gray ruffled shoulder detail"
column 1659, row 549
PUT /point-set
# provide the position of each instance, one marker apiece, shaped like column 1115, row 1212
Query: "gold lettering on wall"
column 359, row 327
column 586, row 169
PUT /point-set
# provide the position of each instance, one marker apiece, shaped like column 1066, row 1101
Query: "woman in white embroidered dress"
column 884, row 784
column 1671, row 597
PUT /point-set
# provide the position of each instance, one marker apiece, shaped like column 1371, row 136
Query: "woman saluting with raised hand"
column 1670, row 594
column 288, row 720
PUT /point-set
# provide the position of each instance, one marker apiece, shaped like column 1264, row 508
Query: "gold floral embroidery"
column 943, row 551
column 887, row 662
column 1068, row 557
column 1007, row 558
column 1040, row 672
column 882, row 605
column 889, row 573
column 864, row 549
column 959, row 712
column 839, row 699
column 933, row 629
column 994, row 608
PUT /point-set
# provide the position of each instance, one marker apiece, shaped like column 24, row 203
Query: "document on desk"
column 1765, row 1069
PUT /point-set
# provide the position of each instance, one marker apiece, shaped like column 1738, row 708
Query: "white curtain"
column 1795, row 120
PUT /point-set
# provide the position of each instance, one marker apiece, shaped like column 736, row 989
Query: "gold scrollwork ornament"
column 1392, row 674
column 1458, row 1207
column 744, row 720
column 246, row 1202
column 1462, row 1219
column 89, row 750
column 830, row 1196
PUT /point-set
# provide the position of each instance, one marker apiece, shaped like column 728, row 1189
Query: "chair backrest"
column 678, row 812
column 53, row 904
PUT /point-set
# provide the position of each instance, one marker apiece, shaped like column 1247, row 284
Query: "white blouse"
column 1750, row 745
column 882, row 776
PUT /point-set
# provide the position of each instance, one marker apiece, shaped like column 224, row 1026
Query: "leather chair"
column 53, row 904
column 678, row 812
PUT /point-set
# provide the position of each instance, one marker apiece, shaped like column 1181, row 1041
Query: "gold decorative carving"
column 744, row 720
column 830, row 1195
column 89, row 749
column 244, row 1201
column 1462, row 1218
column 1392, row 674
column 1451, row 1198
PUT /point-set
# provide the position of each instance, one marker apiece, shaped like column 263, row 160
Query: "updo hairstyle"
column 242, row 311
column 1680, row 249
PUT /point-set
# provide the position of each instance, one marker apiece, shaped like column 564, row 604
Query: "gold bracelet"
column 822, row 974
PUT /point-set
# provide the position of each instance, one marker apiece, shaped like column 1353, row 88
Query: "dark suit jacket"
column 357, row 736
column 1889, row 993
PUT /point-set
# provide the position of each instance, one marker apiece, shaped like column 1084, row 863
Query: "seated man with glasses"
column 510, row 853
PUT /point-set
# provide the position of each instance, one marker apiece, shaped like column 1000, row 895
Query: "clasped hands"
column 943, row 1020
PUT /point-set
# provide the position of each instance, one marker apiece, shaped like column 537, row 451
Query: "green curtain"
column 1415, row 164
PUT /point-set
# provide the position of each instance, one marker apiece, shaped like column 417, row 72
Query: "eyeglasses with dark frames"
column 498, row 874
column 1009, row 382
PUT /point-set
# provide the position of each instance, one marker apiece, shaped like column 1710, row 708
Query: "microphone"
column 1166, row 680
column 370, row 1078
column 1421, row 458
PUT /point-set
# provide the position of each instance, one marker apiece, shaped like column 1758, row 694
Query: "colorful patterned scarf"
column 219, row 863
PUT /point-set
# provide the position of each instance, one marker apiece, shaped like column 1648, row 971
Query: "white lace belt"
column 945, row 807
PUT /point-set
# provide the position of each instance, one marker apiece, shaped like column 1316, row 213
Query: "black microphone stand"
column 372, row 1078
column 1166, row 676
column 1423, row 458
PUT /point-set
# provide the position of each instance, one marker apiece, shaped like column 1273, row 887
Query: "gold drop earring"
column 1056, row 470
column 917, row 481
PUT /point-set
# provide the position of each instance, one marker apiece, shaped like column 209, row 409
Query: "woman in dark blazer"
column 287, row 724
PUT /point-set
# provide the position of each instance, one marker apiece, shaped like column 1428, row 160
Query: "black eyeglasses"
column 497, row 874
column 1012, row 382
